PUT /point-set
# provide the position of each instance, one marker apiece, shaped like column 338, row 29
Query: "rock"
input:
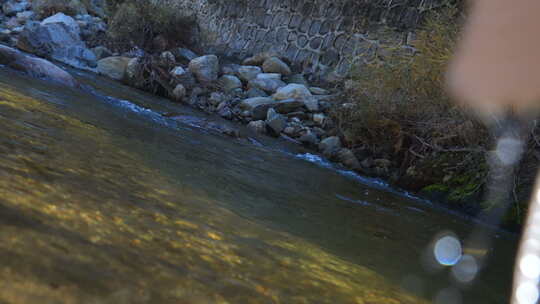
column 347, row 158
column 330, row 146
column 35, row 67
column 247, row 73
column 5, row 35
column 179, row 93
column 113, row 67
column 260, row 58
column 288, row 105
column 257, row 126
column 269, row 83
column 257, row 106
column 184, row 77
column 12, row 7
column 276, row 122
column 90, row 30
column 254, row 92
column 292, row 91
column 299, row 114
column 319, row 132
column 64, row 19
column 167, row 57
column 56, row 41
column 312, row 104
column 12, row 23
column 230, row 69
column 230, row 82
column 178, row 72
column 205, row 68
column 23, row 17
column 183, row 54
column 319, row 118
column 226, row 113
column 309, row 138
column 101, row 52
column 318, row 91
column 276, row 65
column 216, row 98
column 132, row 68
column 290, row 131
column 298, row 79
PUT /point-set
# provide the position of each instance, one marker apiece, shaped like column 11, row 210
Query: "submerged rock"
column 205, row 68
column 36, row 67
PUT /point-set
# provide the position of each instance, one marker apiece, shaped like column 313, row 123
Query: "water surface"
column 106, row 197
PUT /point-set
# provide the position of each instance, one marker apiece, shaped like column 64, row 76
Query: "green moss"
column 436, row 188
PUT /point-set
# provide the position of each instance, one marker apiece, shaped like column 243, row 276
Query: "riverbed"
column 111, row 195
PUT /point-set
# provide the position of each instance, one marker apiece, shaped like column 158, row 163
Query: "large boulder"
column 257, row 106
column 64, row 19
column 56, row 41
column 269, row 83
column 276, row 65
column 205, row 68
column 293, row 91
column 113, row 67
column 35, row 67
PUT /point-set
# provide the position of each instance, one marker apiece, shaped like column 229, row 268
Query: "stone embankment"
column 267, row 92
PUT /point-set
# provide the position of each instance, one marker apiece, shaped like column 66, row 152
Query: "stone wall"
column 316, row 35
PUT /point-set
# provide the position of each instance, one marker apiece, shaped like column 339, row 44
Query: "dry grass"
column 399, row 101
column 148, row 25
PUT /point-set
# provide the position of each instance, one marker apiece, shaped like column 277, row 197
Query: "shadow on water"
column 106, row 202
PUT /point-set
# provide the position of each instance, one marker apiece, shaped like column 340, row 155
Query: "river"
column 111, row 195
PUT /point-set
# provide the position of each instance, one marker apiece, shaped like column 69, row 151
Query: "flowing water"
column 115, row 196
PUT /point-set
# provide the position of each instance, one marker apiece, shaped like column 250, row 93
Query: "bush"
column 150, row 25
column 46, row 8
column 399, row 110
column 402, row 95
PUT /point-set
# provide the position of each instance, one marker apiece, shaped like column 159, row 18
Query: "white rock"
column 65, row 19
column 293, row 91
